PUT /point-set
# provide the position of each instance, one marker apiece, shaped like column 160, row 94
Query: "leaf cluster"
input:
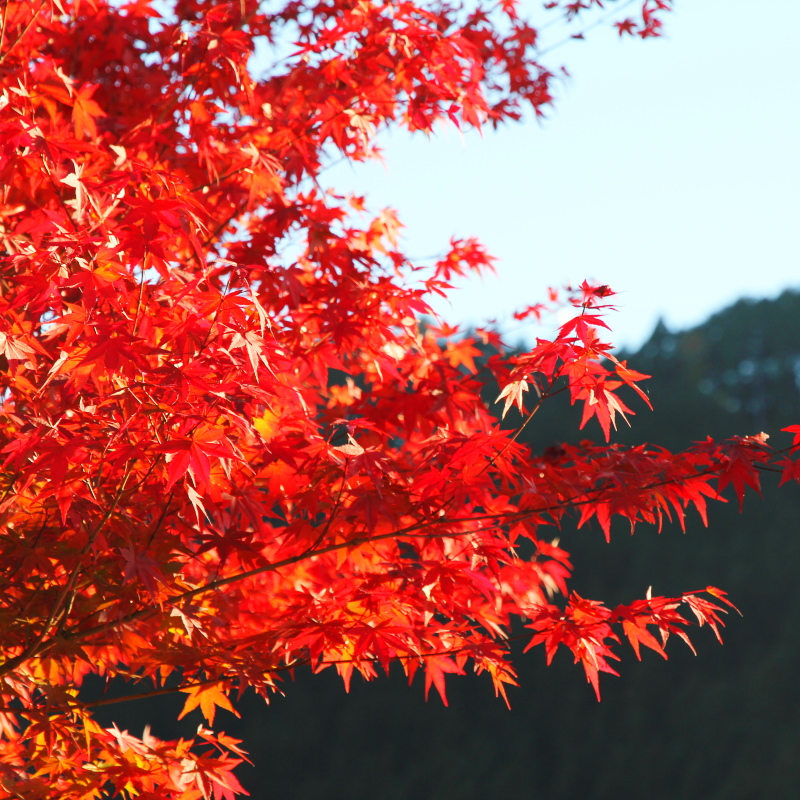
column 186, row 495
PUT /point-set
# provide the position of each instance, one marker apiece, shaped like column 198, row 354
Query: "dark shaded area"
column 724, row 724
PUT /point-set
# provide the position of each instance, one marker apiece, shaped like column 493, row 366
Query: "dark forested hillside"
column 720, row 725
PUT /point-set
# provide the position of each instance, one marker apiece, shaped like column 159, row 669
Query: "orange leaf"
column 207, row 697
column 84, row 112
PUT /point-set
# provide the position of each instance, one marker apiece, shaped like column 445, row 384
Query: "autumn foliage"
column 229, row 446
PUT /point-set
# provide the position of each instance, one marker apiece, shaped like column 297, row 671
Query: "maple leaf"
column 253, row 342
column 436, row 668
column 626, row 26
column 127, row 742
column 206, row 697
column 73, row 180
column 141, row 567
column 463, row 353
column 740, row 460
column 601, row 402
column 634, row 626
column 790, row 470
column 14, row 348
column 534, row 311
column 267, row 424
column 85, row 110
column 795, row 429
column 513, row 394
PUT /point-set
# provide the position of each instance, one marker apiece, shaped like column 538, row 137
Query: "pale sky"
column 668, row 169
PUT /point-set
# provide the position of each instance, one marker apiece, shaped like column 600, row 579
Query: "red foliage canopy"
column 229, row 447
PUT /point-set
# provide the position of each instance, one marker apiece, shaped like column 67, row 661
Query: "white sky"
column 668, row 169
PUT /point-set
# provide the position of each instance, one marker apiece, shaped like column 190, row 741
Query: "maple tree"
column 229, row 446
